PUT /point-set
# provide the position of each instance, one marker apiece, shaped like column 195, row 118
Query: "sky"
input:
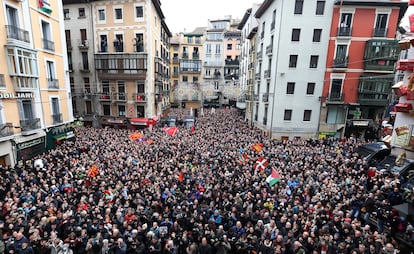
column 189, row 14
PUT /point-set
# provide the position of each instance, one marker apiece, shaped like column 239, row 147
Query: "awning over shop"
column 139, row 121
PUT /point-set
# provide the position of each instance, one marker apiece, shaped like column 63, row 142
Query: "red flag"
column 257, row 147
column 172, row 131
column 181, row 177
column 261, row 164
column 93, row 171
column 192, row 129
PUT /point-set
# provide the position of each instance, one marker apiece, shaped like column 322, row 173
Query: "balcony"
column 57, row 118
column 84, row 67
column 272, row 26
column 257, row 76
column 259, row 55
column 127, row 66
column 267, row 74
column 335, row 97
column 105, row 96
column 344, row 32
column 6, row 130
column 255, row 97
column 30, row 124
column 229, row 62
column 380, row 32
column 175, row 60
column 139, row 47
column 119, row 96
column 264, row 120
column 175, row 74
column 269, row 50
column 48, row 45
column 265, row 97
column 340, row 62
column 184, row 56
column 262, row 34
column 381, row 64
column 139, row 97
column 196, row 56
column 52, row 83
column 83, row 45
column 14, row 32
column 370, row 98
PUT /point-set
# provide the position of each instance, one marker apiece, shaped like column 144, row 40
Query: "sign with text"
column 16, row 95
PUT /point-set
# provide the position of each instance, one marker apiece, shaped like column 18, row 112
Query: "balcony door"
column 12, row 16
column 336, row 89
column 26, row 110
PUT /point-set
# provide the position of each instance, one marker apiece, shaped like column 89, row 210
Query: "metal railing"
column 49, row 45
column 52, row 83
column 30, row 124
column 57, row 118
column 14, row 32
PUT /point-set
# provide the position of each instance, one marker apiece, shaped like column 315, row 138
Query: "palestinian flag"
column 244, row 158
column 273, row 178
column 261, row 164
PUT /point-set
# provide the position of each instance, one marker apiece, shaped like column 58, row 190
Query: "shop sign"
column 30, row 143
column 17, row 95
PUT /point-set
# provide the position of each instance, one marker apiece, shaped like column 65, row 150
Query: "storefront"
column 28, row 147
column 141, row 123
column 117, row 123
column 59, row 134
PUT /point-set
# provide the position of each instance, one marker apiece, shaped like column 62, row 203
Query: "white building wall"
column 281, row 74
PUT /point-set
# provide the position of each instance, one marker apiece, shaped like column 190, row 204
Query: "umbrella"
column 405, row 209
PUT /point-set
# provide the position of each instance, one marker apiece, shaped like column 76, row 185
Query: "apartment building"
column 291, row 42
column 248, row 27
column 359, row 75
column 186, row 66
column 128, row 44
column 35, row 102
column 221, row 63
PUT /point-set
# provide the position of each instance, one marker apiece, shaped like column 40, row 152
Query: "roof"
column 244, row 19
column 397, row 3
column 198, row 31
column 263, row 8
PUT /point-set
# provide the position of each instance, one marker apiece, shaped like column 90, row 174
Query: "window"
column 139, row 12
column 48, row 43
column 86, row 85
column 56, row 115
column 141, row 111
column 85, row 62
column 288, row 115
column 380, row 29
column 121, row 110
column 295, row 34
column 298, row 6
column 290, row 89
column 293, row 59
column 336, row 114
column 197, row 40
column 103, row 43
column 218, row 48
column 335, row 92
column 81, row 12
column 51, row 75
column 229, row 46
column 310, row 89
column 66, row 14
column 317, row 35
column 190, row 40
column 307, row 115
column 121, row 90
column 320, row 7
column 185, row 79
column 2, row 81
column 119, row 43
column 101, row 15
column 314, row 62
column 26, row 110
column 345, row 26
column 118, row 14
column 106, row 109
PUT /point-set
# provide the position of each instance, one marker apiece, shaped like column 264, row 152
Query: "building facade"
column 186, row 67
column 362, row 53
column 34, row 85
column 291, row 44
column 129, row 47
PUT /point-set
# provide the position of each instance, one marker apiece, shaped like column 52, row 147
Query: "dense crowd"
column 191, row 193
